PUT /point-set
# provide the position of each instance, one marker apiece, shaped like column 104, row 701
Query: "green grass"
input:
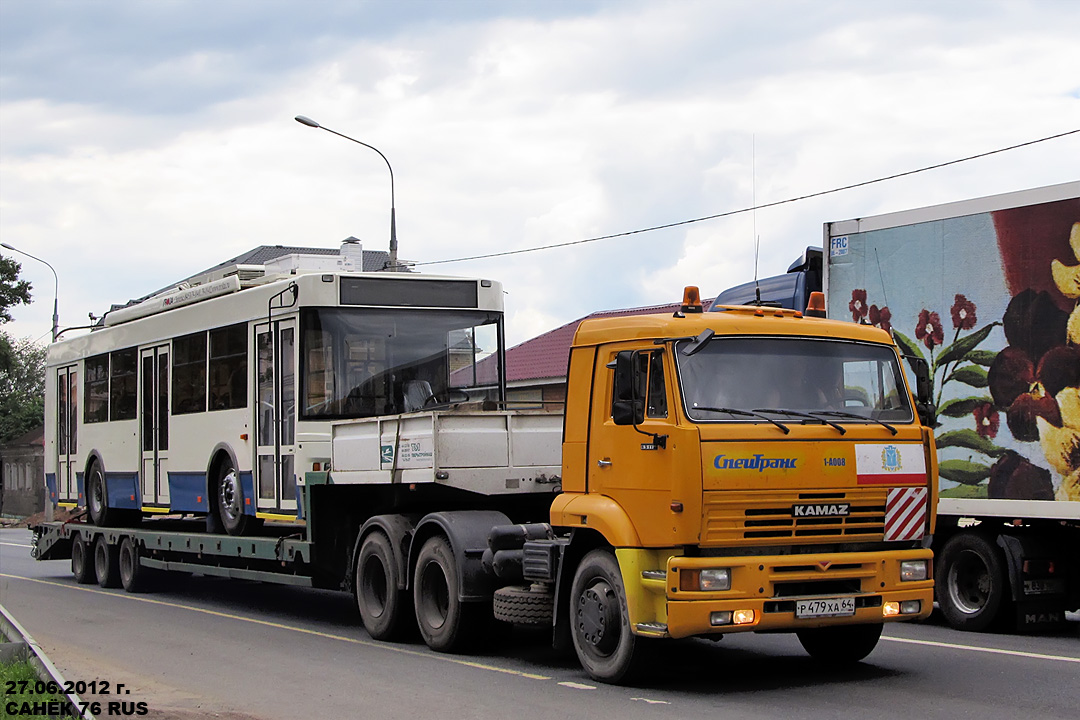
column 965, row 491
column 19, row 672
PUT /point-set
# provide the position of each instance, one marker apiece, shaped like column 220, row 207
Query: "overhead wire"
column 753, row 207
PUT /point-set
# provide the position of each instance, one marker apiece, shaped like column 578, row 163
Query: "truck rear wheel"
column 972, row 584
column 604, row 643
column 840, row 645
column 445, row 623
column 384, row 608
column 132, row 573
column 82, row 560
column 106, row 563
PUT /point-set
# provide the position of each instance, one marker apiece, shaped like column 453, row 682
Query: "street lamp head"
column 304, row 120
column 7, row 246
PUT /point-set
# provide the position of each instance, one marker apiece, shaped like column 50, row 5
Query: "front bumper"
column 770, row 586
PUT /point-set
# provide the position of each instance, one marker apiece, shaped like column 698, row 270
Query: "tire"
column 229, row 501
column 107, row 563
column 972, row 585
column 384, row 608
column 132, row 573
column 842, row 644
column 524, row 606
column 445, row 623
column 82, row 561
column 97, row 499
column 604, row 643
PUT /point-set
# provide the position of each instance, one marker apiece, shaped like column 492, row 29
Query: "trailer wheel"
column 132, row 573
column 107, row 563
column 82, row 563
column 842, row 644
column 230, row 500
column 384, row 608
column 973, row 583
column 523, row 605
column 605, row 645
column 445, row 623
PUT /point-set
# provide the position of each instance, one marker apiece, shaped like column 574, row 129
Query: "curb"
column 25, row 647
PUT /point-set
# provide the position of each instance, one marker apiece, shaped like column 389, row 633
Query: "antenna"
column 757, row 238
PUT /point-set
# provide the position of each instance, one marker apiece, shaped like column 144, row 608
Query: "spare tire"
column 525, row 605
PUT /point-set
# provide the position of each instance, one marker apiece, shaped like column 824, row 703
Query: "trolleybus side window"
column 228, row 367
column 96, row 390
column 189, row 374
column 123, row 386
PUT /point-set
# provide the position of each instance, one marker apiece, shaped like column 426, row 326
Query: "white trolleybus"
column 218, row 398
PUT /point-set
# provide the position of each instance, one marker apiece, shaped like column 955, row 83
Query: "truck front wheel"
column 840, row 645
column 604, row 643
column 230, row 501
column 384, row 608
column 971, row 589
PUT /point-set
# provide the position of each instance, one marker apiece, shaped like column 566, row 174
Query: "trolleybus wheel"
column 132, row 573
column 842, row 644
column 972, row 585
column 604, row 643
column 445, row 623
column 384, row 608
column 82, row 560
column 97, row 501
column 107, row 563
column 230, row 500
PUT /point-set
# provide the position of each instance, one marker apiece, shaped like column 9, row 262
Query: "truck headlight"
column 715, row 579
column 912, row 570
column 705, row 580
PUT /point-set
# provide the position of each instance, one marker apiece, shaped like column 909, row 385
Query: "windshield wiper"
column 745, row 413
column 795, row 413
column 856, row 416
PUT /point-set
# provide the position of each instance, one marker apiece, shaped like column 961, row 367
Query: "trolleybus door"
column 67, row 423
column 275, row 471
column 154, row 421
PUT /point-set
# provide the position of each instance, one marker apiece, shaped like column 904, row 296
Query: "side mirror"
column 627, row 408
column 924, row 401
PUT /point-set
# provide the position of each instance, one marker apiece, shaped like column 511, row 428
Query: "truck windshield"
column 360, row 362
column 731, row 376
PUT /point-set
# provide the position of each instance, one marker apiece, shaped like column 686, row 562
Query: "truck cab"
column 745, row 470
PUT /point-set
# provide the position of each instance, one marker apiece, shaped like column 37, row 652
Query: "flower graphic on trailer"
column 857, row 306
column 963, row 313
column 929, row 329
column 987, row 420
column 880, row 317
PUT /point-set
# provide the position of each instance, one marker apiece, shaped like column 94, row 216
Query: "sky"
column 142, row 142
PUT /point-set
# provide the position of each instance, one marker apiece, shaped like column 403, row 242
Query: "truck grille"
column 765, row 518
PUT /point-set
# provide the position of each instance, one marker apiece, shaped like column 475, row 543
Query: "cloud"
column 144, row 142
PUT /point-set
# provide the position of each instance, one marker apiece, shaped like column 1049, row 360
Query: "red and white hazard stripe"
column 905, row 514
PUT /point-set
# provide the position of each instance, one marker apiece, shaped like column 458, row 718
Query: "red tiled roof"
column 545, row 356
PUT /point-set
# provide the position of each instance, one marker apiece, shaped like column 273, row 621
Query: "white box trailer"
column 986, row 291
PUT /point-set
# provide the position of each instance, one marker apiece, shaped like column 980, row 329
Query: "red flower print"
column 929, row 329
column 881, row 318
column 987, row 420
column 857, row 306
column 963, row 313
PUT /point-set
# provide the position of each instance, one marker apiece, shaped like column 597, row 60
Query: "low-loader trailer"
column 748, row 470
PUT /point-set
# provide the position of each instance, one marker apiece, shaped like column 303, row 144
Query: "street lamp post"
column 56, row 287
column 392, row 264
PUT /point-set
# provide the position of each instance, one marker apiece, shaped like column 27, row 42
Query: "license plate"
column 1043, row 587
column 825, row 607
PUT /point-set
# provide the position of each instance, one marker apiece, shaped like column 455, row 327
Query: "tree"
column 22, row 386
column 13, row 291
column 22, row 362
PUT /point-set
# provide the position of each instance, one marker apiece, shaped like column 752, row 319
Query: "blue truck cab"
column 790, row 290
